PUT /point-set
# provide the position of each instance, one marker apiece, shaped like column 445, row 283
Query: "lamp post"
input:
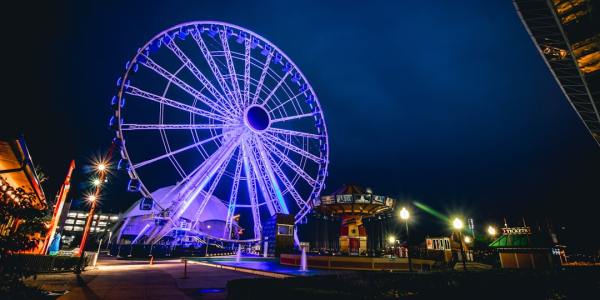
column 404, row 215
column 491, row 230
column 458, row 226
column 391, row 241
column 102, row 170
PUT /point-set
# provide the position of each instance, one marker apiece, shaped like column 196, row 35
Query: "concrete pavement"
column 119, row 279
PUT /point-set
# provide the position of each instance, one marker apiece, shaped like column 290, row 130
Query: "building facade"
column 72, row 225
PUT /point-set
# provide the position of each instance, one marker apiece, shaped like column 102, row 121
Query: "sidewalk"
column 118, row 279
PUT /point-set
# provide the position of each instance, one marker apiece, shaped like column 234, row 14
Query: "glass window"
column 285, row 230
column 77, row 228
column 103, row 217
column 101, row 223
column 114, row 218
column 69, row 221
column 95, row 217
column 81, row 215
column 71, row 215
column 80, row 222
column 68, row 228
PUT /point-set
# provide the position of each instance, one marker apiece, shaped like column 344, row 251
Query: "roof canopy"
column 16, row 167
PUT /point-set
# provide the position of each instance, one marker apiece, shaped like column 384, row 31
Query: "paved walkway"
column 117, row 279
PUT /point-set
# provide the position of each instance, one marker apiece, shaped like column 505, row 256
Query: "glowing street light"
column 92, row 198
column 404, row 215
column 391, row 239
column 468, row 239
column 96, row 182
column 492, row 231
column 457, row 224
column 101, row 167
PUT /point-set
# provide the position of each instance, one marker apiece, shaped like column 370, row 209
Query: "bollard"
column 185, row 269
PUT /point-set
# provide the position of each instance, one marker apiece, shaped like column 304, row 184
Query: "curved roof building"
column 137, row 225
column 567, row 35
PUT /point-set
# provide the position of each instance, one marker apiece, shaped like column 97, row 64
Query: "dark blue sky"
column 448, row 103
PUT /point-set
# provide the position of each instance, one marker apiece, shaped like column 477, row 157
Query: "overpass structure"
column 567, row 35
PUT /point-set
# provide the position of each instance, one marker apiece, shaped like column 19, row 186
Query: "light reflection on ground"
column 267, row 265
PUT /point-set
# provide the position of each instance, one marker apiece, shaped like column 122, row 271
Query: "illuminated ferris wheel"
column 217, row 111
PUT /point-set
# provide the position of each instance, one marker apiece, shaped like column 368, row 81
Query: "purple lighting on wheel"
column 238, row 111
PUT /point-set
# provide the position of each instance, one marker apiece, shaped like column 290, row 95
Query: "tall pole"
column 410, row 269
column 101, row 168
column 462, row 251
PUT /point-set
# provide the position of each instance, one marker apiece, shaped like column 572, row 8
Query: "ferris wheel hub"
column 257, row 118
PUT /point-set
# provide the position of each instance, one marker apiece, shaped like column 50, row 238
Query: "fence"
column 46, row 263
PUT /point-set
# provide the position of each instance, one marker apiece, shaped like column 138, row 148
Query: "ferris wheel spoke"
column 292, row 118
column 266, row 179
column 295, row 133
column 247, row 64
column 271, row 139
column 134, row 91
column 150, row 64
column 215, row 69
column 211, row 189
column 149, row 161
column 231, row 68
column 128, row 127
column 270, row 162
column 292, row 165
column 261, row 80
column 252, row 193
column 208, row 169
column 198, row 74
column 281, row 81
column 287, row 101
column 233, row 196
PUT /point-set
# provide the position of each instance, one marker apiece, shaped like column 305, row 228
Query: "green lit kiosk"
column 521, row 248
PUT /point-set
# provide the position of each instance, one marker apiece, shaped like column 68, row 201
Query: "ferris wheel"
column 216, row 110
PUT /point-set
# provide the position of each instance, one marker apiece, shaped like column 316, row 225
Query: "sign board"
column 438, row 243
column 516, row 230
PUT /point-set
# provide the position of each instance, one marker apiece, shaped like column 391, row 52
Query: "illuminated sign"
column 438, row 243
column 516, row 230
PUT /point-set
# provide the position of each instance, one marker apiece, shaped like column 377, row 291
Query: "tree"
column 26, row 223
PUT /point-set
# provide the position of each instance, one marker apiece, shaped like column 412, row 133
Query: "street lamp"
column 404, row 215
column 101, row 167
column 492, row 231
column 92, row 198
column 96, row 182
column 391, row 239
column 468, row 239
column 458, row 226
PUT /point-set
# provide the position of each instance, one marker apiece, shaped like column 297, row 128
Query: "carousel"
column 352, row 204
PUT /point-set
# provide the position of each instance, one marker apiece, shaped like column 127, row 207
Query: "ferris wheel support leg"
column 251, row 182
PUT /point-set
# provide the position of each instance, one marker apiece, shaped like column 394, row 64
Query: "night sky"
column 449, row 104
